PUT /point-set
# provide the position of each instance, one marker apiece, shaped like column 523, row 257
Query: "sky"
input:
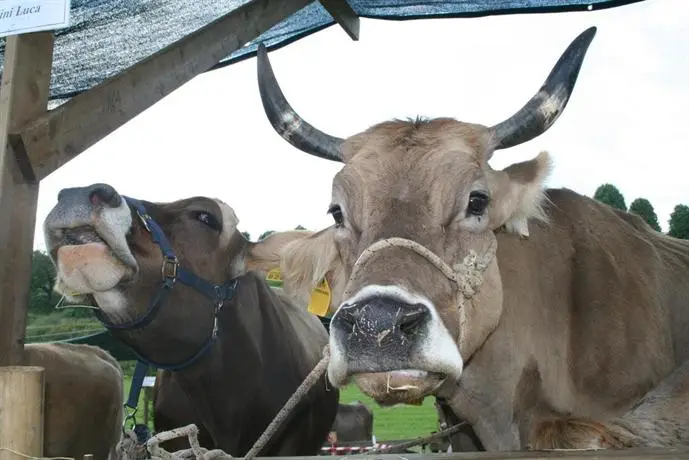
column 626, row 122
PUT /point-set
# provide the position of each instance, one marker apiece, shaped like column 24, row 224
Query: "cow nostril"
column 411, row 321
column 104, row 194
column 347, row 320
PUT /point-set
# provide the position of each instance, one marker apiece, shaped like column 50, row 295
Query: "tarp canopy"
column 108, row 36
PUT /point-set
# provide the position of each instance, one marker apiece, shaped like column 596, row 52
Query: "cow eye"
column 208, row 219
column 336, row 212
column 478, row 202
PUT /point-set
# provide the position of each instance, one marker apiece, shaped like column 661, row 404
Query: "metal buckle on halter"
column 169, row 268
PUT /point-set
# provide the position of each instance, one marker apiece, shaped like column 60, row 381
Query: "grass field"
column 402, row 422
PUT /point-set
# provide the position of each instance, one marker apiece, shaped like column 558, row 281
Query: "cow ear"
column 264, row 255
column 304, row 263
column 519, row 194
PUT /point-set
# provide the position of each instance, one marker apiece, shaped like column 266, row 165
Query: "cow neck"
column 172, row 272
column 240, row 365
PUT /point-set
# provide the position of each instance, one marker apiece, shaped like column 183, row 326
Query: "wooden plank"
column 622, row 454
column 22, row 390
column 345, row 16
column 65, row 132
column 23, row 97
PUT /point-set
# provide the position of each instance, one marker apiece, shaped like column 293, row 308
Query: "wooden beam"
column 345, row 16
column 65, row 132
column 23, row 97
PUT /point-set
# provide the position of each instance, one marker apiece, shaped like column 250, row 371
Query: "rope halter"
column 466, row 275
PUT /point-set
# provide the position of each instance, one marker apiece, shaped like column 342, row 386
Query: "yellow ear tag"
column 320, row 296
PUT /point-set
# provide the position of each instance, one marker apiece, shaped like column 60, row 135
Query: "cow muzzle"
column 393, row 343
column 86, row 236
column 388, row 324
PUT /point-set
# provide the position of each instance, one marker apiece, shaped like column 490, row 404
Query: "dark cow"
column 173, row 281
column 509, row 301
column 83, row 410
column 354, row 422
column 172, row 408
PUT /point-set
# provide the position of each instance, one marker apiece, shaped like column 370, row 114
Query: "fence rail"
column 622, row 454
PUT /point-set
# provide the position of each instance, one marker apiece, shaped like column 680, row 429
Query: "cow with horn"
column 510, row 301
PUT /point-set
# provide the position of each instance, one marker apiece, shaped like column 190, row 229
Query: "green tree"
column 247, row 235
column 643, row 208
column 679, row 222
column 265, row 234
column 610, row 195
column 299, row 227
column 42, row 298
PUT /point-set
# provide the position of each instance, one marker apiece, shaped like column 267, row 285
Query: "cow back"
column 83, row 399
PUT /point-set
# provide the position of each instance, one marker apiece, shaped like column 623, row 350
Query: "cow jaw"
column 89, row 246
column 398, row 387
column 399, row 352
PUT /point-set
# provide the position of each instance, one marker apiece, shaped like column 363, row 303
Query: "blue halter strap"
column 171, row 272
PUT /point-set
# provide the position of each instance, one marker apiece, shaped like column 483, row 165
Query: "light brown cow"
column 83, row 399
column 581, row 311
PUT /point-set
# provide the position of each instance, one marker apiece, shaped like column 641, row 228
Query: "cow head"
column 413, row 200
column 106, row 255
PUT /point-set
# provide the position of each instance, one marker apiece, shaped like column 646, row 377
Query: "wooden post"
column 21, row 412
column 23, row 97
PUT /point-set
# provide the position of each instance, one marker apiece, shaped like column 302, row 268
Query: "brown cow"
column 83, row 410
column 172, row 281
column 479, row 286
column 659, row 419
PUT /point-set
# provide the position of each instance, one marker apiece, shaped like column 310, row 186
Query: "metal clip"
column 130, row 416
column 215, row 326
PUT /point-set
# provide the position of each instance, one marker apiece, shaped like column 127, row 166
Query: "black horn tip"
column 544, row 108
column 285, row 121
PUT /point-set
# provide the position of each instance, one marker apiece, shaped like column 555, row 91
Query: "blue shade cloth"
column 107, row 36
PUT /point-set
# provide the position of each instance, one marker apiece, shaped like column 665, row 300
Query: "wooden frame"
column 23, row 96
column 345, row 16
column 60, row 135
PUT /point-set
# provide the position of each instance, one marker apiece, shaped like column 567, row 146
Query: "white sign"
column 24, row 16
